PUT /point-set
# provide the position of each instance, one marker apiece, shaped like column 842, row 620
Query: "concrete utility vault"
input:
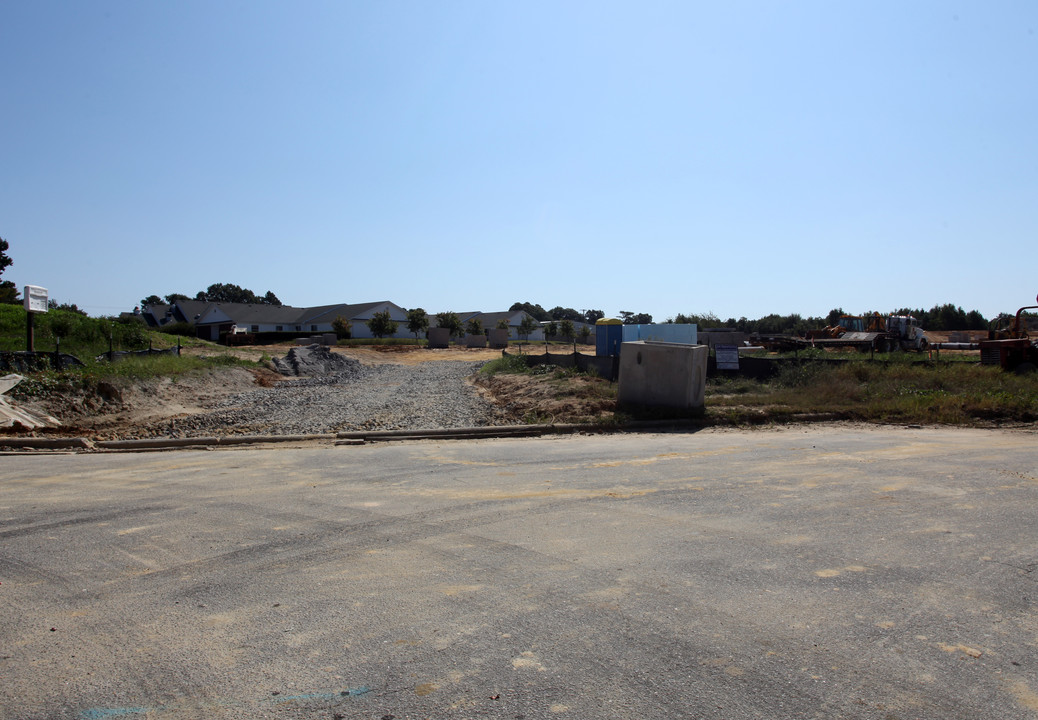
column 666, row 375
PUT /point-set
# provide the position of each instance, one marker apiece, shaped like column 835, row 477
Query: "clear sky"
column 740, row 158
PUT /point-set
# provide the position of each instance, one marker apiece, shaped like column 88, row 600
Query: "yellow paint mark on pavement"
column 528, row 661
column 663, row 456
column 794, row 540
column 453, row 461
column 1024, row 695
column 219, row 620
column 833, row 572
column 623, row 495
column 972, row 652
column 452, row 590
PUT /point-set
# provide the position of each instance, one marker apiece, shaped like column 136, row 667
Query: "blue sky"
column 740, row 158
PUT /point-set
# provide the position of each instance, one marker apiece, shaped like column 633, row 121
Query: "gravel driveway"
column 351, row 396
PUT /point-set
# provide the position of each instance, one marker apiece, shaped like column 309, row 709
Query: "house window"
column 279, row 328
column 299, row 328
column 313, row 328
column 254, row 328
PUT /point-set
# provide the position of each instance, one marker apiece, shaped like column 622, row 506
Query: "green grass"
column 509, row 364
column 123, row 371
column 87, row 338
column 82, row 336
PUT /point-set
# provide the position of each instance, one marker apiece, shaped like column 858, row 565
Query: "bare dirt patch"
column 414, row 355
column 549, row 399
column 367, row 354
column 115, row 409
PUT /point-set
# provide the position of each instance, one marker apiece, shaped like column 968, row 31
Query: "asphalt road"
column 804, row 573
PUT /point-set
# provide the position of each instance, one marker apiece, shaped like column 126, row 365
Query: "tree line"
column 940, row 317
column 217, row 292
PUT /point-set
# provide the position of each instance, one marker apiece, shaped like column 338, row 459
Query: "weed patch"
column 953, row 393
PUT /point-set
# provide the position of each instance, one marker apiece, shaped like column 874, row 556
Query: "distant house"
column 219, row 319
column 513, row 319
column 183, row 311
column 464, row 317
column 213, row 320
column 319, row 319
column 155, row 315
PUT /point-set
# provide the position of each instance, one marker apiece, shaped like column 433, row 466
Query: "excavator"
column 1010, row 347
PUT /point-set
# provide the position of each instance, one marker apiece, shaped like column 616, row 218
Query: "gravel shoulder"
column 358, row 397
column 343, row 389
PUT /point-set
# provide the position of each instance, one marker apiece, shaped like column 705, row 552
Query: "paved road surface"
column 808, row 573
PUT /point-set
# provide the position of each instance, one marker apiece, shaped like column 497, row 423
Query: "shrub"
column 382, row 324
column 183, row 329
column 508, row 364
column 451, row 321
column 343, row 327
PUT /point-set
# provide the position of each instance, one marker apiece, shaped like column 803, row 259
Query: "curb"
column 489, row 431
column 47, row 443
column 166, row 443
column 340, row 439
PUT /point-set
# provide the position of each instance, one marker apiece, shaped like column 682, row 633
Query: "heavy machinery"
column 904, row 331
column 873, row 332
column 1010, row 347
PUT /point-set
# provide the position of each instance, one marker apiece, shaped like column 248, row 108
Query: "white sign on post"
column 35, row 299
column 727, row 357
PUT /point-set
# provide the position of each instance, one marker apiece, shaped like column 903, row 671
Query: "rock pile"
column 314, row 361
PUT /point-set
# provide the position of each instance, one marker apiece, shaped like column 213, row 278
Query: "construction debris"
column 12, row 416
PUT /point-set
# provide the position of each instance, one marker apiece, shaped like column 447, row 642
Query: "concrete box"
column 663, row 375
column 498, row 338
column 439, row 337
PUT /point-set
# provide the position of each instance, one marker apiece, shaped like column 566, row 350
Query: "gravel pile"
column 348, row 396
column 314, row 360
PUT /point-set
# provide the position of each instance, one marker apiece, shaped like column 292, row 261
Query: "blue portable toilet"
column 609, row 333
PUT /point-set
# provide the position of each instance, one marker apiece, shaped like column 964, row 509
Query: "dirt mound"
column 314, row 361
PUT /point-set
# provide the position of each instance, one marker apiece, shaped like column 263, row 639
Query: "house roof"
column 251, row 314
column 256, row 314
column 327, row 313
column 154, row 315
column 190, row 311
column 463, row 316
column 513, row 317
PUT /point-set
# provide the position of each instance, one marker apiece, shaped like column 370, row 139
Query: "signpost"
column 727, row 357
column 35, row 302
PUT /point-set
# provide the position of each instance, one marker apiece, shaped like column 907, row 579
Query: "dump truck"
column 1010, row 347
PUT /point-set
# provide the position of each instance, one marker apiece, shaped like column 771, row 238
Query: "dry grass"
column 903, row 391
column 912, row 392
column 547, row 394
